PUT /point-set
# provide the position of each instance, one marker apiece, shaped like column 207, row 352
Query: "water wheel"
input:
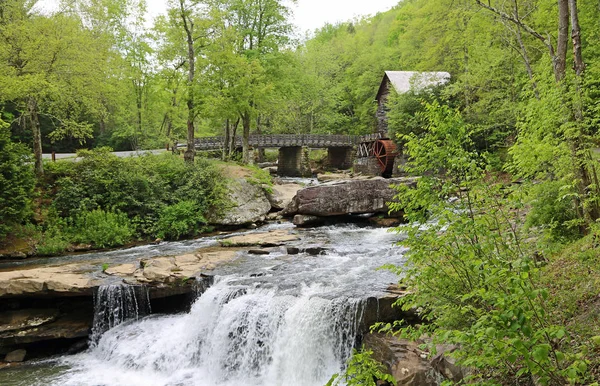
column 385, row 151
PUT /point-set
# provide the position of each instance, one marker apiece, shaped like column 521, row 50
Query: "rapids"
column 267, row 320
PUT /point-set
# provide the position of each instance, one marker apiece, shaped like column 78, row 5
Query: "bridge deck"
column 286, row 140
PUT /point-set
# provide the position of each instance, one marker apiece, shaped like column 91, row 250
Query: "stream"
column 270, row 320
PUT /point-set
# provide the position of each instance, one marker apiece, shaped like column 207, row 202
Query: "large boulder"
column 403, row 359
column 280, row 196
column 249, row 205
column 346, row 197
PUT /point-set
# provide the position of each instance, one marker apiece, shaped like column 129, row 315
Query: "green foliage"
column 53, row 241
column 101, row 229
column 179, row 220
column 261, row 177
column 473, row 273
column 17, row 182
column 141, row 188
column 362, row 370
column 552, row 209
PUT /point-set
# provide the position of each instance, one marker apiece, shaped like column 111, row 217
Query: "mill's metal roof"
column 403, row 81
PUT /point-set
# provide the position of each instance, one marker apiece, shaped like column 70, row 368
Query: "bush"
column 17, row 181
column 552, row 209
column 179, row 220
column 51, row 244
column 101, row 229
column 140, row 187
column 472, row 271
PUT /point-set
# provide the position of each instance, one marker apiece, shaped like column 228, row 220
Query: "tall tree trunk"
column 260, row 151
column 578, row 64
column 527, row 62
column 226, row 142
column 560, row 58
column 246, row 137
column 233, row 135
column 187, row 25
column 34, row 122
column 139, row 115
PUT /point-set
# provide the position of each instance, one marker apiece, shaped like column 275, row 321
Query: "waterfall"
column 118, row 303
column 276, row 320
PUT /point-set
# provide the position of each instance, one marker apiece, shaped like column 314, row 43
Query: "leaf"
column 540, row 352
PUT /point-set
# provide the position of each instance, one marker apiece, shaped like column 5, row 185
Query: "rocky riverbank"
column 50, row 309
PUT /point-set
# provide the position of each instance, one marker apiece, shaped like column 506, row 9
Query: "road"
column 117, row 153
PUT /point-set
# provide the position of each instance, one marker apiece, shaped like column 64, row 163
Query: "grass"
column 572, row 277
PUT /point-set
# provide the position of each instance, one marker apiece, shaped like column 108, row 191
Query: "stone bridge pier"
column 340, row 157
column 294, row 161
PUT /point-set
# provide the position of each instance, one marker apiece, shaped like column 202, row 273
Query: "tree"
column 51, row 66
column 253, row 33
column 17, row 181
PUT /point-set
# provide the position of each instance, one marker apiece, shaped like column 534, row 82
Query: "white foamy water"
column 267, row 320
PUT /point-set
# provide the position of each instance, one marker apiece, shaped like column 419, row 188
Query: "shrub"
column 473, row 270
column 179, row 220
column 101, row 229
column 137, row 186
column 17, row 181
column 552, row 209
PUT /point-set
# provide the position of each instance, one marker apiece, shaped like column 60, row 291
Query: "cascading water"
column 118, row 303
column 271, row 320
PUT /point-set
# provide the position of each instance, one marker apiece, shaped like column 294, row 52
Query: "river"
column 268, row 320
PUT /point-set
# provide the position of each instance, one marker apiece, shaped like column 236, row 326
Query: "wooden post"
column 53, row 156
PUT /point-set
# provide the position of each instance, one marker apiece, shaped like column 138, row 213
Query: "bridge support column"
column 340, row 157
column 293, row 162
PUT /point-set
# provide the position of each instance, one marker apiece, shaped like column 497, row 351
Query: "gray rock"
column 404, row 360
column 302, row 220
column 258, row 252
column 293, row 250
column 346, row 197
column 447, row 366
column 17, row 255
column 15, row 356
column 281, row 195
column 314, row 251
column 249, row 205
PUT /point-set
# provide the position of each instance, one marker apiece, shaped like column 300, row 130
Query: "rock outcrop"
column 346, row 197
column 409, row 362
column 249, row 204
column 404, row 360
column 281, row 195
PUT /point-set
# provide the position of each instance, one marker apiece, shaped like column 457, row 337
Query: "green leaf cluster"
column 154, row 192
column 362, row 370
column 470, row 264
column 16, row 182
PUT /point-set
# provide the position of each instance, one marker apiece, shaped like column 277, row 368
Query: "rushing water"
column 267, row 320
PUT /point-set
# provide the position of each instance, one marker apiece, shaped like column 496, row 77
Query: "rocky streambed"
column 237, row 308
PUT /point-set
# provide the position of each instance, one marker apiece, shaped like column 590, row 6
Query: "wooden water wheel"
column 385, row 151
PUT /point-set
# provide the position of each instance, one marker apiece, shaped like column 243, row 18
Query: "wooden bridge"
column 314, row 141
column 342, row 149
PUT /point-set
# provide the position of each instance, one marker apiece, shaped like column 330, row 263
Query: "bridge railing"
column 282, row 140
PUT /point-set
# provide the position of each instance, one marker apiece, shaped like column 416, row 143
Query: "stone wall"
column 293, row 162
column 340, row 157
column 367, row 166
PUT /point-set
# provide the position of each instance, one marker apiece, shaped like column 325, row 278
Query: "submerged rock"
column 15, row 356
column 260, row 239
